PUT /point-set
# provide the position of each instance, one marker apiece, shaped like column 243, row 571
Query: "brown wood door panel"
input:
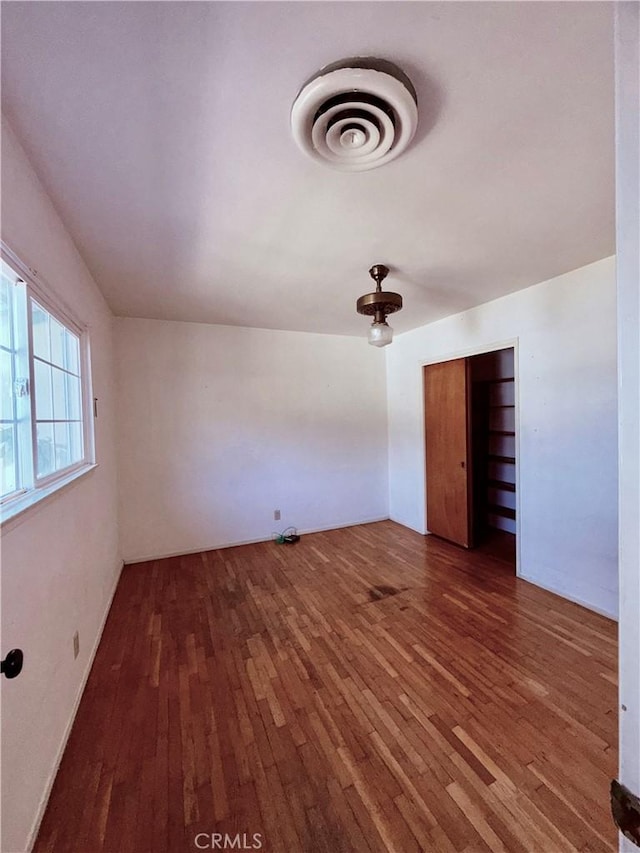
column 446, row 400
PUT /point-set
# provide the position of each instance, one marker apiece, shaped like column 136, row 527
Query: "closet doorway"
column 470, row 435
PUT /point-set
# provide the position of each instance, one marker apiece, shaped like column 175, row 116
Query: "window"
column 45, row 425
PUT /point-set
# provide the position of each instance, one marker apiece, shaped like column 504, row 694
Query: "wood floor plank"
column 366, row 689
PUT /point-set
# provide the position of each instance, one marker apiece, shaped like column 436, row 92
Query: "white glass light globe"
column 380, row 334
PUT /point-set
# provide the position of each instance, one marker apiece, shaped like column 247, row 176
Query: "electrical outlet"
column 76, row 644
column 276, row 515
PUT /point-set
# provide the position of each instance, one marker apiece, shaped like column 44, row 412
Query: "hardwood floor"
column 498, row 544
column 363, row 689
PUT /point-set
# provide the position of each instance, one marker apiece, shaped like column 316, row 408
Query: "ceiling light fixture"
column 378, row 305
column 355, row 114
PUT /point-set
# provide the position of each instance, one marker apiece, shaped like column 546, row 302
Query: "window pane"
column 62, row 455
column 40, row 327
column 8, row 462
column 6, row 386
column 5, row 312
column 76, row 444
column 44, row 399
column 45, row 463
column 57, row 394
column 58, row 377
column 73, row 397
column 57, row 342
column 72, row 345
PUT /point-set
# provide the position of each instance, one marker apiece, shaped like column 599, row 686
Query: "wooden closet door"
column 446, row 403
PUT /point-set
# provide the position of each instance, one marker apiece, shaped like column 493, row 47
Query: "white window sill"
column 17, row 509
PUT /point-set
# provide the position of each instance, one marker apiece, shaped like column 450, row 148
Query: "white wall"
column 566, row 379
column 60, row 560
column 628, row 253
column 219, row 426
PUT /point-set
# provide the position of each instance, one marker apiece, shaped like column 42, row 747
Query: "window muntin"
column 57, row 387
column 45, row 427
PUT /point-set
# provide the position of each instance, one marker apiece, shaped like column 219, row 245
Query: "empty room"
column 319, row 442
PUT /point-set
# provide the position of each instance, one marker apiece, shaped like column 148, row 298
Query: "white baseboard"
column 345, row 524
column 63, row 743
column 421, row 530
column 587, row 604
column 218, row 547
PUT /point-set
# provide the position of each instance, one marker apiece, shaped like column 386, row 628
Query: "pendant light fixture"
column 378, row 305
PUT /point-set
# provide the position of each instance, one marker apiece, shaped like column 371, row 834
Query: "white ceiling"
column 161, row 131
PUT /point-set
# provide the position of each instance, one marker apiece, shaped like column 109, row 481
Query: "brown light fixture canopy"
column 378, row 305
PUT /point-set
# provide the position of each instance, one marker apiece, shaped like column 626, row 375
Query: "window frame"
column 34, row 488
column 21, row 431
